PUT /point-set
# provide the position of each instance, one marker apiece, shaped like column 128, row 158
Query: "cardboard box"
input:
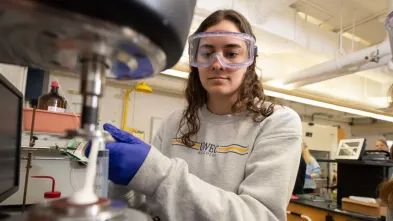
column 370, row 209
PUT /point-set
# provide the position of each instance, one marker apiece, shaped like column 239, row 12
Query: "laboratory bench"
column 318, row 211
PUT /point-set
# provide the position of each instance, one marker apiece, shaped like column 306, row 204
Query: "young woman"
column 229, row 155
column 313, row 170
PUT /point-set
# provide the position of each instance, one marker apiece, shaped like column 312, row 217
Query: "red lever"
column 53, row 193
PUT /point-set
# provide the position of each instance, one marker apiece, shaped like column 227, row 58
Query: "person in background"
column 313, row 170
column 381, row 145
column 335, row 177
column 229, row 155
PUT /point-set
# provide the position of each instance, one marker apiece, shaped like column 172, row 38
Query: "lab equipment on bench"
column 350, row 149
column 124, row 40
column 52, row 101
column 381, row 155
column 101, row 178
column 49, row 195
column 127, row 155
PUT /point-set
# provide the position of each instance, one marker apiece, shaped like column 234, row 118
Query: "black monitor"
column 10, row 137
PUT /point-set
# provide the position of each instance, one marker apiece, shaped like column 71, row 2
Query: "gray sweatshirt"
column 238, row 169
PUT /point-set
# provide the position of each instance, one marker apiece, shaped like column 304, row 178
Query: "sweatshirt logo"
column 211, row 149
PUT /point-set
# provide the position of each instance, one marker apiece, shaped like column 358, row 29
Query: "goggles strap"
column 256, row 51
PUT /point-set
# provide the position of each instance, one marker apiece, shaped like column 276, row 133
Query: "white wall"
column 15, row 74
column 323, row 138
column 145, row 106
column 305, row 111
column 142, row 107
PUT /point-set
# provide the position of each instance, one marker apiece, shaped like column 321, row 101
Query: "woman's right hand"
column 312, row 176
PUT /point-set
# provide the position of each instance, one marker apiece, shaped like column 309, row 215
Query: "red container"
column 50, row 122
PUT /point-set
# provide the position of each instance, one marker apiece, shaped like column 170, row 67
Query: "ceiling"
column 288, row 43
column 364, row 17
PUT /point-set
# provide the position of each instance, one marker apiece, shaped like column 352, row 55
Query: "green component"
column 71, row 143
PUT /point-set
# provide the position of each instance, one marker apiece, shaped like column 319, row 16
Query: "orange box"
column 50, row 122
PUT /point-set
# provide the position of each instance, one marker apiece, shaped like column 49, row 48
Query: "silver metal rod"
column 93, row 75
column 28, row 166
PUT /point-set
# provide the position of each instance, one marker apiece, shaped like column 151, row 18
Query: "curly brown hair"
column 249, row 89
column 386, row 193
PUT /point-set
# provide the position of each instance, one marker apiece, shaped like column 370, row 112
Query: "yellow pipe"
column 125, row 109
column 141, row 87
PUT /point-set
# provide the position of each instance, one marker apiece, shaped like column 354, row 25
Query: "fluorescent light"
column 315, row 21
column 302, row 100
column 320, row 23
column 356, row 38
column 380, row 101
column 279, row 84
column 328, row 106
column 310, row 18
column 175, row 73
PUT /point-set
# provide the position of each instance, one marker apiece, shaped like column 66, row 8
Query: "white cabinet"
column 17, row 75
column 320, row 137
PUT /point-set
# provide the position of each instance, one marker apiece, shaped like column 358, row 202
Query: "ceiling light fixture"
column 356, row 38
column 309, row 18
column 315, row 21
column 316, row 103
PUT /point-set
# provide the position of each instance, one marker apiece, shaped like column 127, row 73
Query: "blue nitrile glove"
column 308, row 176
column 126, row 155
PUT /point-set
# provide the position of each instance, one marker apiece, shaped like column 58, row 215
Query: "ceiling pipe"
column 364, row 59
column 341, row 64
column 357, row 68
column 362, row 21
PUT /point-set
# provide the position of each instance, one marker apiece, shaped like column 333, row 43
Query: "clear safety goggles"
column 231, row 49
